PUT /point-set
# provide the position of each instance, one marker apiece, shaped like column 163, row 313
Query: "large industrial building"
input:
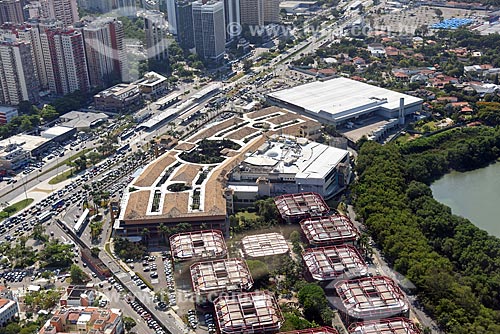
column 256, row 312
column 17, row 151
column 295, row 207
column 385, row 326
column 340, row 100
column 267, row 244
column 335, row 262
column 370, row 298
column 329, row 230
column 287, row 165
column 198, row 245
column 212, row 278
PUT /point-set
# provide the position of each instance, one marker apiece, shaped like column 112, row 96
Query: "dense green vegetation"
column 454, row 265
column 13, row 208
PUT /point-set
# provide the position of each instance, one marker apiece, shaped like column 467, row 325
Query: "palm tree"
column 145, row 235
column 164, row 231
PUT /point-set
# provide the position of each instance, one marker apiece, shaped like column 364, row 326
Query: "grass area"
column 247, row 215
column 74, row 157
column 237, row 77
column 14, row 208
column 149, row 285
column 61, row 177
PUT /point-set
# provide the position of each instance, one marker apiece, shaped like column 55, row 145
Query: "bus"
column 58, row 204
column 45, row 216
column 82, row 222
column 123, row 149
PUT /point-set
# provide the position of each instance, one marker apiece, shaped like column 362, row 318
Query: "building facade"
column 8, row 310
column 6, row 114
column 105, row 51
column 18, row 81
column 184, row 21
column 272, row 11
column 209, row 29
column 65, row 11
column 11, row 11
column 252, row 12
column 233, row 19
column 155, row 26
column 66, row 63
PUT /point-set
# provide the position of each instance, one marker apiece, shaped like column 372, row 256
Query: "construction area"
column 208, row 244
column 318, row 330
column 295, row 207
column 329, row 230
column 385, row 326
column 256, row 312
column 267, row 244
column 335, row 262
column 370, row 298
column 211, row 278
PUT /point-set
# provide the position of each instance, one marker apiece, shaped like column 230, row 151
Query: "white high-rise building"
column 28, row 32
column 233, row 19
column 156, row 29
column 209, row 29
column 105, row 51
column 171, row 16
column 18, row 81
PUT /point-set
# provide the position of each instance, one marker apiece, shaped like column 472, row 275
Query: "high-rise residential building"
column 28, row 32
column 233, row 20
column 209, row 29
column 11, row 11
column 171, row 16
column 184, row 19
column 18, row 81
column 156, row 29
column 271, row 11
column 100, row 6
column 105, row 51
column 126, row 8
column 65, row 64
column 252, row 12
column 65, row 11
column 151, row 4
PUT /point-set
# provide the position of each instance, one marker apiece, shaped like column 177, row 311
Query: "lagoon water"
column 474, row 195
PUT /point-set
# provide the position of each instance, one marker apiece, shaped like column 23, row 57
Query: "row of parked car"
column 169, row 274
column 153, row 324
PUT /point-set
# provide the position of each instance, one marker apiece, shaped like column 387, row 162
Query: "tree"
column 9, row 210
column 93, row 157
column 77, row 275
column 49, row 113
column 81, row 163
column 313, row 300
column 95, row 251
column 247, row 65
column 129, row 323
column 96, row 230
column 38, row 233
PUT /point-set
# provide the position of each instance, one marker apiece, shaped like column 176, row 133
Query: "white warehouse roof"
column 342, row 98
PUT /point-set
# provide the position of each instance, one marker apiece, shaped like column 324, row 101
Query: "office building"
column 252, row 12
column 6, row 114
column 16, row 151
column 184, row 21
column 126, row 8
column 65, row 11
column 156, row 26
column 385, row 326
column 271, row 11
column 171, row 16
column 232, row 16
column 209, row 29
column 66, row 64
column 119, row 98
column 18, row 81
column 105, row 51
column 99, row 6
column 11, row 11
